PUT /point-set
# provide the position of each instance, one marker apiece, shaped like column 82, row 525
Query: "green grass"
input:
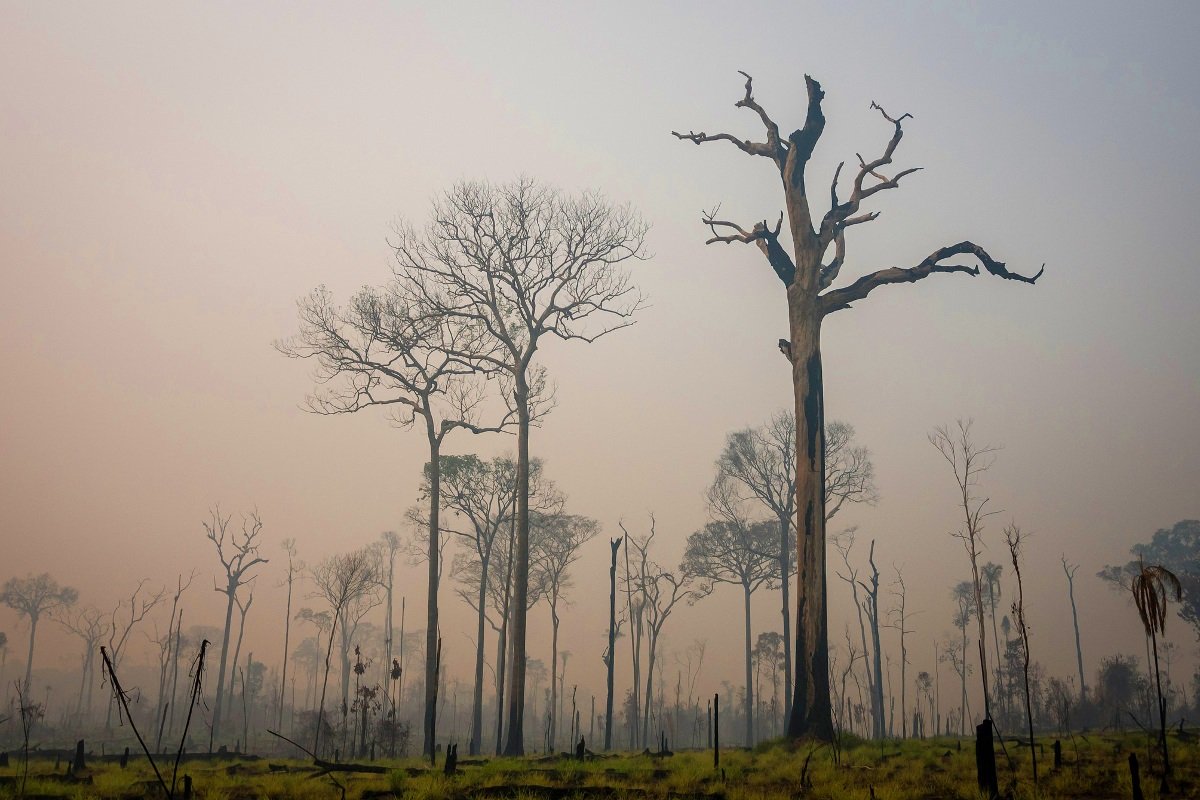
column 909, row 770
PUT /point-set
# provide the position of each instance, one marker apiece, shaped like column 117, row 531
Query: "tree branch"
column 774, row 148
column 842, row 298
column 765, row 237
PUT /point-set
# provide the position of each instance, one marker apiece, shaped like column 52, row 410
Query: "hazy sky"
column 174, row 177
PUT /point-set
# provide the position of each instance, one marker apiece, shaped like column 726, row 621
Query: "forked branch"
column 774, row 148
column 766, row 237
column 842, row 298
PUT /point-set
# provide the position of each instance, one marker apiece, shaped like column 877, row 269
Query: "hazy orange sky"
column 174, row 177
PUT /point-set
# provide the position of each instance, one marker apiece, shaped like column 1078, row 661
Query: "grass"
column 909, row 770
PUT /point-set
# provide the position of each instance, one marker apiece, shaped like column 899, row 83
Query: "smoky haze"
column 174, row 178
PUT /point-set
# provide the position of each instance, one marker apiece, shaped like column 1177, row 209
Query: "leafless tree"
column 661, row 590
column 168, row 653
column 955, row 653
column 968, row 461
column 390, row 348
column 808, row 278
column 1069, row 571
column 762, row 463
column 31, row 597
column 239, row 556
column 844, row 544
column 91, row 625
column 342, row 581
column 871, row 606
column 523, row 262
column 294, row 568
column 732, row 550
column 900, row 623
column 558, row 548
column 125, row 616
column 1014, row 538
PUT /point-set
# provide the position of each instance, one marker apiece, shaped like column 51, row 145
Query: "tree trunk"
column 615, row 544
column 215, row 731
column 1075, row 619
column 749, row 672
column 33, row 621
column 785, row 567
column 553, row 674
column 287, row 634
column 475, row 745
column 431, row 622
column 515, row 744
column 812, row 713
column 651, row 646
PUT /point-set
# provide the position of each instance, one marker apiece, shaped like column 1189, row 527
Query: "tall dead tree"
column 525, row 263
column 293, row 568
column 90, row 625
column 238, row 556
column 808, row 278
column 389, row 347
column 969, row 461
column 125, row 616
column 610, row 653
column 1069, row 570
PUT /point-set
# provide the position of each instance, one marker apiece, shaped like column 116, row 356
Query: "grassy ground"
column 935, row 768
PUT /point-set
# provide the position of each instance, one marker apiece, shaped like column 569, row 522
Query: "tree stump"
column 124, row 758
column 985, row 760
column 77, row 765
column 1135, row 777
column 1057, row 754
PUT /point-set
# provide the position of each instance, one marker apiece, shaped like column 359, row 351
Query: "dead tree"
column 238, row 556
column 610, row 654
column 121, row 625
column 91, row 626
column 1014, row 538
column 871, row 605
column 899, row 622
column 808, row 279
column 31, row 597
column 525, row 263
column 968, row 461
column 844, row 543
column 243, row 609
column 661, row 590
column 391, row 347
column 1069, row 571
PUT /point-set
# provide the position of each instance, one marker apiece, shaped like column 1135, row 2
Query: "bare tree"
column 808, row 279
column 31, row 597
column 844, row 543
column 968, row 461
column 610, row 652
column 1069, row 571
column 661, row 590
column 731, row 550
column 238, row 555
column 871, row 606
column 243, row 607
column 294, row 568
column 900, row 623
column 762, row 463
column 524, row 262
column 390, row 348
column 558, row 548
column 1014, row 538
column 168, row 653
column 342, row 581
column 91, row 625
column 964, row 609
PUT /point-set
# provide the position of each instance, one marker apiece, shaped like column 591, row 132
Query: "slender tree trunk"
column 515, row 745
column 651, row 647
column 1075, row 619
column 237, row 652
column 287, row 633
column 749, row 672
column 475, row 745
column 554, row 674
column 785, row 568
column 215, row 731
column 33, row 621
column 812, row 713
column 615, row 544
column 431, row 622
